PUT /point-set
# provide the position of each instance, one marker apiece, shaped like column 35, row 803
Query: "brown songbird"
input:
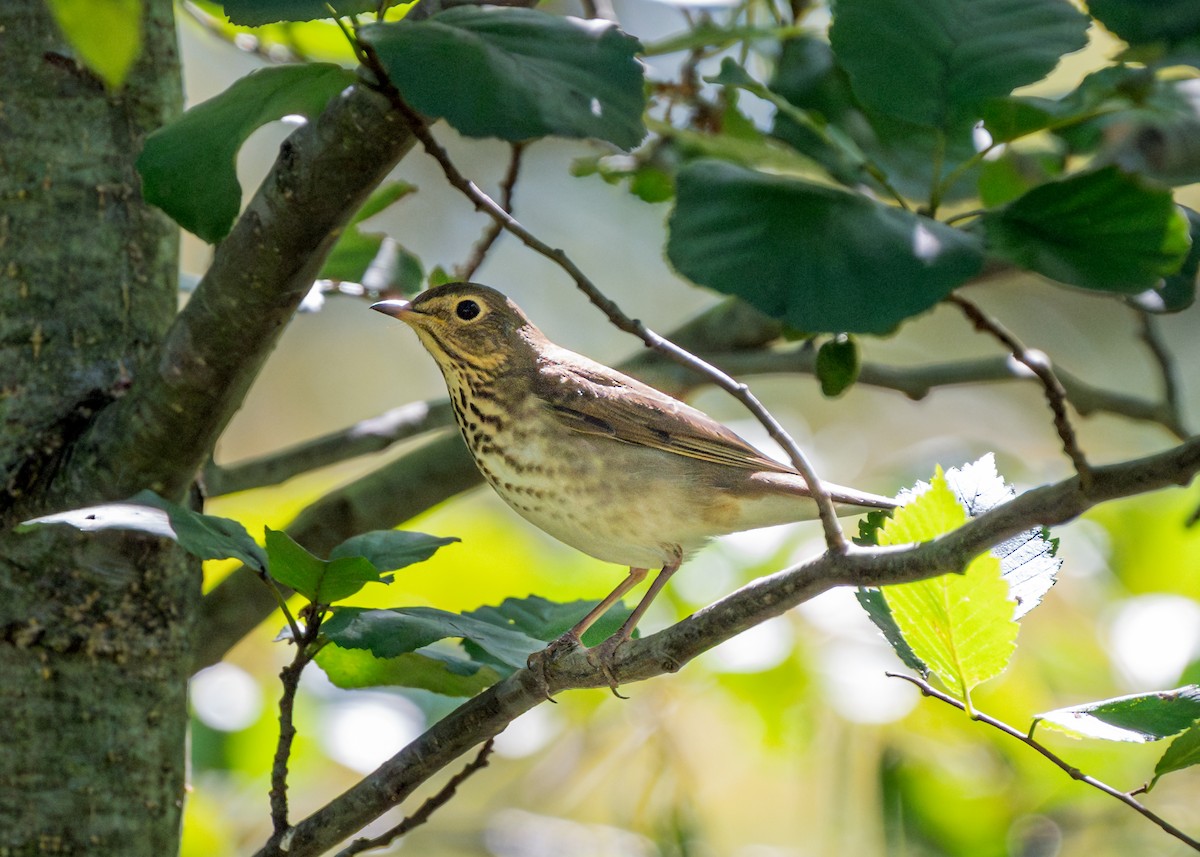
column 597, row 459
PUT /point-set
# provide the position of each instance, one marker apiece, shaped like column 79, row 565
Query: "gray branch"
column 160, row 433
column 915, row 382
column 487, row 714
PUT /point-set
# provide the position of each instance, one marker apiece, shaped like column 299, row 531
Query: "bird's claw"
column 539, row 661
column 602, row 656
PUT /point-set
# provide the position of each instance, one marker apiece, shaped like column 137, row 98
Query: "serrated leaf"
column 203, row 536
column 389, row 550
column 1139, row 717
column 1102, row 230
column 1182, row 753
column 954, row 54
column 188, row 166
column 1028, row 562
column 437, row 672
column 817, row 258
column 837, row 365
column 960, row 626
column 517, row 74
column 105, row 34
column 873, row 601
column 392, row 632
column 318, row 580
column 255, row 13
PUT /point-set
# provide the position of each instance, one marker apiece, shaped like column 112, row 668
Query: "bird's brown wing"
column 591, row 398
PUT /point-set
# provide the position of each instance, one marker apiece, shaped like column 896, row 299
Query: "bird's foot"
column 539, row 661
column 602, row 657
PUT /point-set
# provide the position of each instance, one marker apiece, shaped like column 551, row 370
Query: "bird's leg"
column 602, row 655
column 571, row 639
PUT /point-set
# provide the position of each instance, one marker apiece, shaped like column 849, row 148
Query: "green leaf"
column 105, row 34
column 189, row 166
column 439, row 276
column 440, row 673
column 389, row 550
column 357, row 250
column 1102, row 230
column 1139, row 717
column 517, row 74
column 255, row 13
column 1008, row 119
column 873, row 601
column 392, row 632
column 1142, row 21
column 818, row 258
column 1178, row 291
column 960, row 625
column 1182, row 753
column 318, row 580
column 934, row 62
column 203, row 536
column 837, row 365
column 1028, row 561
column 758, row 153
column 1013, row 173
column 705, row 33
column 547, row 620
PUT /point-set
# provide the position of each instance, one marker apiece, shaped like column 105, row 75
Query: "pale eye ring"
column 467, row 309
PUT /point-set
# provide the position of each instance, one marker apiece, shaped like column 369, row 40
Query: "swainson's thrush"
column 595, row 458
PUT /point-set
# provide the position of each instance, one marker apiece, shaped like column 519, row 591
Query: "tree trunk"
column 94, row 629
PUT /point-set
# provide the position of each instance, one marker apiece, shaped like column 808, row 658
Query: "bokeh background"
column 788, row 741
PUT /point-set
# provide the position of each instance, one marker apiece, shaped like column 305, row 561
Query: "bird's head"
column 468, row 328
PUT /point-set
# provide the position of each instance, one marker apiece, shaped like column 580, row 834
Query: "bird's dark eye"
column 466, row 310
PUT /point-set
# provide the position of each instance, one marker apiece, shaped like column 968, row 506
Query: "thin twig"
column 289, row 676
column 467, row 269
column 834, row 538
column 1039, row 364
column 426, row 809
column 1075, row 774
column 364, row 437
column 1152, row 336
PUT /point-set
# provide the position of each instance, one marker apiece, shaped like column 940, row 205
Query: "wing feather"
column 590, row 398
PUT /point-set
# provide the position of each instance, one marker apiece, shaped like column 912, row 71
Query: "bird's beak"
column 396, row 309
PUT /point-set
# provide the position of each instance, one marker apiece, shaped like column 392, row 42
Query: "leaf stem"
column 1073, row 772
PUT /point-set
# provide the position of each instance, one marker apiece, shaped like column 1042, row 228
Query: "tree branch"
column 165, row 427
column 1165, row 361
column 508, row 186
column 915, row 382
column 1039, row 364
column 362, row 438
column 427, row 809
column 1075, row 774
column 487, row 714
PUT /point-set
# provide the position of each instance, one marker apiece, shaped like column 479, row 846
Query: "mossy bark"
column 94, row 629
